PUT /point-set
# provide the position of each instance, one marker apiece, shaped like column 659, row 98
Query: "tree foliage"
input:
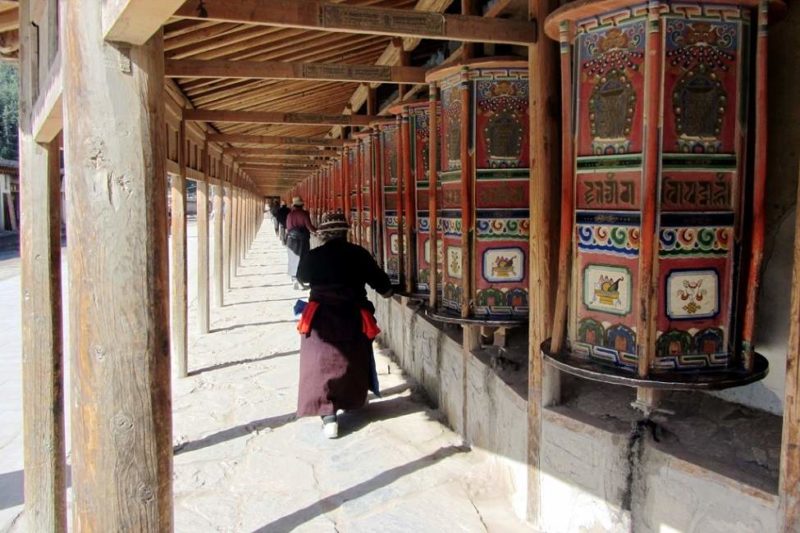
column 9, row 111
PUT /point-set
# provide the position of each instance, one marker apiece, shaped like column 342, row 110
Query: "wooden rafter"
column 135, row 21
column 274, row 140
column 315, row 15
column 188, row 68
column 270, row 117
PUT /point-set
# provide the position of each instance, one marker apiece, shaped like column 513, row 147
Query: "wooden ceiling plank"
column 316, row 15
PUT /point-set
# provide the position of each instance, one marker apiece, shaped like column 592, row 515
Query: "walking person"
column 298, row 237
column 273, row 211
column 337, row 365
column 283, row 212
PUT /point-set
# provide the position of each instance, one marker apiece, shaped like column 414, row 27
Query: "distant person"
column 298, row 237
column 283, row 212
column 337, row 366
column 274, row 206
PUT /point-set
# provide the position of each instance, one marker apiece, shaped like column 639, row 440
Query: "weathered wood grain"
column 119, row 328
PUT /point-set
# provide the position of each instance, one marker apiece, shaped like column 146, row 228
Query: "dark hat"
column 332, row 223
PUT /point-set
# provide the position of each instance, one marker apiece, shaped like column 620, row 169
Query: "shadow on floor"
column 299, row 296
column 378, row 410
column 271, row 422
column 229, row 364
column 12, row 487
column 334, row 501
column 252, row 325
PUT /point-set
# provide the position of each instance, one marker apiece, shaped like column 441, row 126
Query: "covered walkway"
column 244, row 463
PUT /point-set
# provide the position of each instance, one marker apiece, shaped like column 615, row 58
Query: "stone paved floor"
column 244, row 463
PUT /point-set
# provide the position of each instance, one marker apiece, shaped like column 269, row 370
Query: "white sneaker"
column 331, row 429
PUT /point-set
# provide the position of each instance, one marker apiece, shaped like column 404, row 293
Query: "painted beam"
column 273, row 140
column 279, row 70
column 326, row 16
column 273, row 117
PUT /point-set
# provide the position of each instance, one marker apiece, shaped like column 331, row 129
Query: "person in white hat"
column 298, row 237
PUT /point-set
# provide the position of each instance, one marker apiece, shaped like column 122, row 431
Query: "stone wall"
column 598, row 473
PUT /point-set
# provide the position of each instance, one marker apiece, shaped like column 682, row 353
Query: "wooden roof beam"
column 271, row 117
column 316, row 15
column 282, row 152
column 274, row 140
column 135, row 21
column 279, row 70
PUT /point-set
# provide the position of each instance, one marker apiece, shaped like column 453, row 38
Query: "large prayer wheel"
column 484, row 177
column 664, row 165
column 414, row 172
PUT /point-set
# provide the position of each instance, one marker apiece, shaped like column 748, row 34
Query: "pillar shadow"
column 334, row 501
column 263, row 301
column 229, row 364
column 12, row 487
column 272, row 422
column 252, row 325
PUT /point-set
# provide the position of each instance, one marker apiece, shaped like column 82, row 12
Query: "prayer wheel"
column 365, row 173
column 484, row 178
column 663, row 169
column 414, row 170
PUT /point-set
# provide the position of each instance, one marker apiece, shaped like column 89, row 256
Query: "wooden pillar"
column 789, row 486
column 409, row 190
column 203, row 308
column 227, row 247
column 42, row 339
column 433, row 180
column 178, row 297
column 219, row 195
column 346, row 182
column 378, row 154
column 118, row 278
column 543, row 380
column 359, row 193
column 468, row 49
column 759, row 189
column 466, row 195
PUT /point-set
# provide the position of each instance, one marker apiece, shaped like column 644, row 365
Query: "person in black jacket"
column 283, row 212
column 337, row 364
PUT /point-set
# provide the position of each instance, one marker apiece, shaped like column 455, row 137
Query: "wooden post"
column 433, row 180
column 178, row 298
column 359, row 192
column 468, row 49
column 227, row 247
column 759, row 189
column 409, row 190
column 401, row 244
column 42, row 339
column 466, row 195
column 543, row 380
column 203, row 309
column 119, row 327
column 789, row 486
column 219, row 194
column 378, row 154
column 647, row 399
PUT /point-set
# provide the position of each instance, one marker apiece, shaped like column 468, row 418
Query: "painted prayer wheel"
column 659, row 266
column 363, row 188
column 388, row 139
column 484, row 176
column 414, row 172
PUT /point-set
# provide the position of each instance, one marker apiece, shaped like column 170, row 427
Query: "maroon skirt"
column 334, row 362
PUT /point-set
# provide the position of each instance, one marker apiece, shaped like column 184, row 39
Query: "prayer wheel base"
column 702, row 379
column 451, row 317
